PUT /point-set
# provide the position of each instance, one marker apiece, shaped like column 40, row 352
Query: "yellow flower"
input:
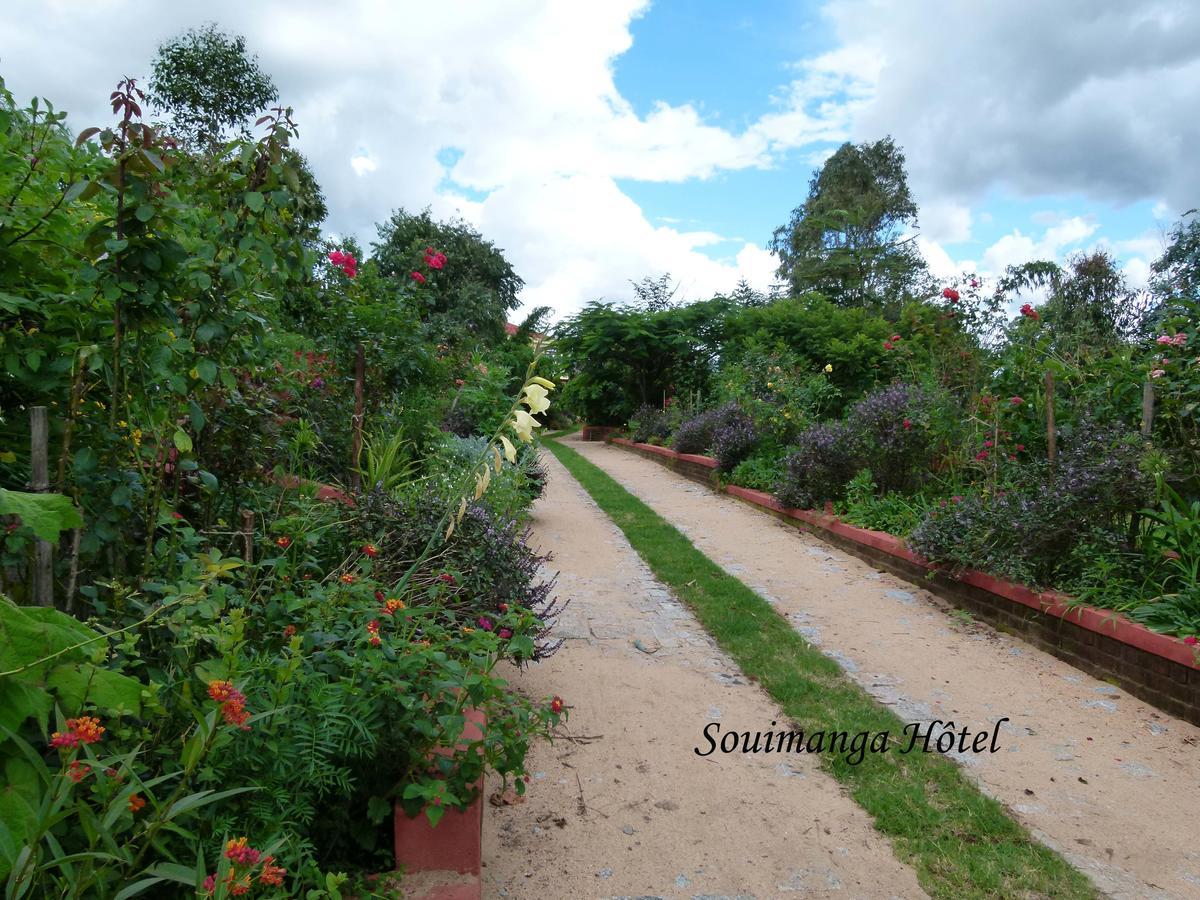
column 510, row 452
column 122, row 424
column 468, row 630
column 770, row 384
column 523, row 425
column 535, row 398
column 137, row 437
column 171, row 333
column 828, row 368
column 194, row 373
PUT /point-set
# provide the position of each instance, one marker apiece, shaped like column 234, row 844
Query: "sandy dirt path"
column 628, row 809
column 1106, row 780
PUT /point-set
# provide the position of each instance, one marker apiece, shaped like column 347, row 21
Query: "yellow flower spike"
column 523, row 425
column 544, row 382
column 510, row 452
column 535, row 398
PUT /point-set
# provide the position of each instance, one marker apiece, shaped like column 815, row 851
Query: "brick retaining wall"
column 1156, row 668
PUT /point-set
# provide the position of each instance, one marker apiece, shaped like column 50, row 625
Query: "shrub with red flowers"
column 344, row 261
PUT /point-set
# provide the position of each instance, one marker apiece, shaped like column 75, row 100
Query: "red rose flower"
column 950, row 294
column 417, row 277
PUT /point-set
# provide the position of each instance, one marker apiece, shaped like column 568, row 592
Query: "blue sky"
column 600, row 143
column 729, row 61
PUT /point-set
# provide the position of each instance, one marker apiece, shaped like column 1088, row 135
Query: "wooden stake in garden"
column 1147, row 409
column 356, row 441
column 248, row 536
column 1051, row 435
column 39, row 483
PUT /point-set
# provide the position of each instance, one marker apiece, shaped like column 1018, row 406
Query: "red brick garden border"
column 1159, row 669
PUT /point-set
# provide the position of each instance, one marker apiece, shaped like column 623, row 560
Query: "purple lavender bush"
column 822, row 462
column 734, row 437
column 891, row 435
column 695, row 434
column 1029, row 533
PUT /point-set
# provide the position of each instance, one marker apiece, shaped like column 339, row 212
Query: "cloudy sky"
column 599, row 142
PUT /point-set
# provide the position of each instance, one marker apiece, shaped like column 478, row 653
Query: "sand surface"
column 621, row 806
column 1108, row 781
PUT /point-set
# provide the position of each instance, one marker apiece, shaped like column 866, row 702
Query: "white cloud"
column 1089, row 101
column 362, row 165
column 1016, row 248
column 1032, row 96
column 523, row 89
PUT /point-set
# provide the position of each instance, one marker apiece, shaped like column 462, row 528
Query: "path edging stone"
column 1156, row 668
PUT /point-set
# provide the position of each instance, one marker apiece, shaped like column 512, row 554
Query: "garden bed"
column 1156, row 668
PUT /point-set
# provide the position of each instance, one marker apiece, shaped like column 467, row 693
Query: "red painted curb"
column 455, row 844
column 1106, row 622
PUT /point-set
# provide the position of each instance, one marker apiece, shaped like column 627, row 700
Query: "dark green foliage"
column 850, row 238
column 467, row 302
column 208, row 86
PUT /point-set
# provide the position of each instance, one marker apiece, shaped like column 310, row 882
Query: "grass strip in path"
column 960, row 842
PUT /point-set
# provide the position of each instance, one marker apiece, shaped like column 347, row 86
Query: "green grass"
column 562, row 432
column 960, row 843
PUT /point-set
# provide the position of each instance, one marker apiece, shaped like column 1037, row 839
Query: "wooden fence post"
column 1147, row 409
column 39, row 483
column 356, row 441
column 248, row 536
column 1051, row 435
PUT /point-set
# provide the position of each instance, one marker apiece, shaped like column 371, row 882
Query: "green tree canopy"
column 1089, row 305
column 466, row 301
column 209, row 86
column 850, row 238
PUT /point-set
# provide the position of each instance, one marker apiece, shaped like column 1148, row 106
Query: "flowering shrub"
column 648, row 422
column 890, row 433
column 821, row 463
column 1028, row 530
column 695, row 435
column 733, row 438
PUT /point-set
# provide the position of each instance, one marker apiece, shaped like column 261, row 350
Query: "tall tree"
column 469, row 298
column 851, row 238
column 1176, row 274
column 654, row 294
column 1089, row 305
column 208, row 86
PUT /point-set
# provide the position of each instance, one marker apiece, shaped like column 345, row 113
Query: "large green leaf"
column 28, row 633
column 75, row 684
column 21, row 699
column 46, row 514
